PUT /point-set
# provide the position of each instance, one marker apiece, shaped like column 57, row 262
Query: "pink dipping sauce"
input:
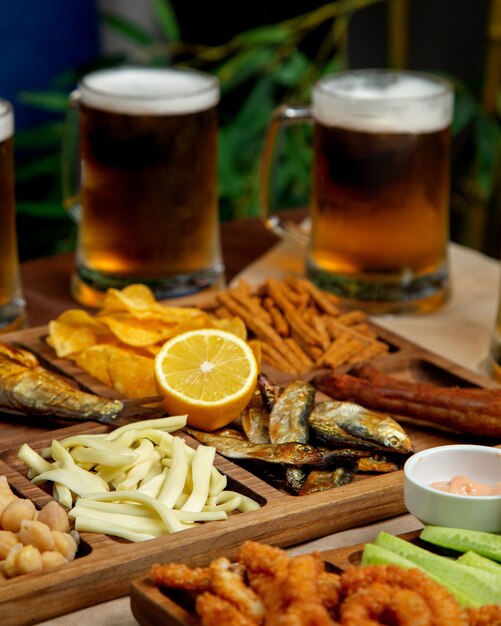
column 464, row 486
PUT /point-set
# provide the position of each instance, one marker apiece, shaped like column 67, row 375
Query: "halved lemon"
column 209, row 374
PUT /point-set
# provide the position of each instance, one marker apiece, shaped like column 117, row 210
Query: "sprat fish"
column 285, row 453
column 373, row 426
column 320, row 480
column 256, row 422
column 27, row 387
column 290, row 413
column 268, row 390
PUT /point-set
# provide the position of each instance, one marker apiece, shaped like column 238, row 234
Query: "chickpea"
column 51, row 559
column 15, row 512
column 37, row 534
column 7, row 540
column 5, row 500
column 54, row 516
column 6, row 495
column 65, row 544
column 22, row 560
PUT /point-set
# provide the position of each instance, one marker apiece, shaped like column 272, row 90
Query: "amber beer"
column 149, row 210
column 380, row 198
column 11, row 302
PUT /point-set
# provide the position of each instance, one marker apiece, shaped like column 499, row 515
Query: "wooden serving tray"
column 152, row 605
column 105, row 566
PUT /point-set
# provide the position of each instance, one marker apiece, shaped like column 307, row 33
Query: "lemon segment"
column 208, row 373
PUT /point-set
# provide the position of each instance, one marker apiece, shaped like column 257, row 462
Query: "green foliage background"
column 258, row 70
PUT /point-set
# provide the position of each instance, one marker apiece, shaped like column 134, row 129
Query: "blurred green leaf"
column 42, row 136
column 464, row 111
column 54, row 101
column 127, row 29
column 264, row 35
column 167, row 20
column 242, row 66
column 293, row 69
column 487, row 137
column 40, row 166
column 50, row 210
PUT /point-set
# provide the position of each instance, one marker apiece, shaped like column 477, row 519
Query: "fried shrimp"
column 261, row 558
column 289, row 587
column 228, row 583
column 383, row 604
column 329, row 586
column 180, row 576
column 488, row 615
column 443, row 607
column 215, row 611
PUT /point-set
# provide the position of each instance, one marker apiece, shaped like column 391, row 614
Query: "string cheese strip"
column 86, row 524
column 169, row 424
column 138, row 511
column 200, row 472
column 176, row 478
column 171, row 522
column 33, row 460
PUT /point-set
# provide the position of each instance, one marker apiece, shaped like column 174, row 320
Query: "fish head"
column 303, row 454
column 393, row 437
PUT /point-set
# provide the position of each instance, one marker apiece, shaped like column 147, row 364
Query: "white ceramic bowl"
column 438, row 508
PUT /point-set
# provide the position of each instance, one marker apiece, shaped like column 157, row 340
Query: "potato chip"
column 68, row 341
column 140, row 302
column 233, row 325
column 94, row 360
column 130, row 374
column 77, row 317
column 134, row 298
column 136, row 332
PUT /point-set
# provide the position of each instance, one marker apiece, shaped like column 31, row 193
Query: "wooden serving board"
column 152, row 605
column 105, row 566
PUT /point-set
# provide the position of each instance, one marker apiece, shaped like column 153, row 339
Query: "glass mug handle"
column 283, row 116
column 70, row 168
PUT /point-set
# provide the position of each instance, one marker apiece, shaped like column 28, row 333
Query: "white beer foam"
column 412, row 103
column 6, row 121
column 140, row 91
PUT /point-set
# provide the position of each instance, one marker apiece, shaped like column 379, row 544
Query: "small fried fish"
column 27, row 387
column 372, row 426
column 285, row 453
column 320, row 480
column 256, row 422
column 268, row 390
column 289, row 416
column 377, row 463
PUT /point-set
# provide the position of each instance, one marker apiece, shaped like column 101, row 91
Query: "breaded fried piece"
column 378, row 602
column 261, row 558
column 329, row 586
column 228, row 583
column 444, row 608
column 288, row 587
column 488, row 615
column 215, row 611
column 180, row 576
column 301, row 595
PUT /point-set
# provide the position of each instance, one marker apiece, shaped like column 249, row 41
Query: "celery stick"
column 476, row 560
column 485, row 544
column 483, row 586
column 377, row 555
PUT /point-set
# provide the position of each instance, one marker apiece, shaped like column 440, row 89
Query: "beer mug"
column 145, row 190
column 12, row 305
column 379, row 206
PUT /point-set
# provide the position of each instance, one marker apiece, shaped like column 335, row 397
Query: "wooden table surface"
column 46, row 280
